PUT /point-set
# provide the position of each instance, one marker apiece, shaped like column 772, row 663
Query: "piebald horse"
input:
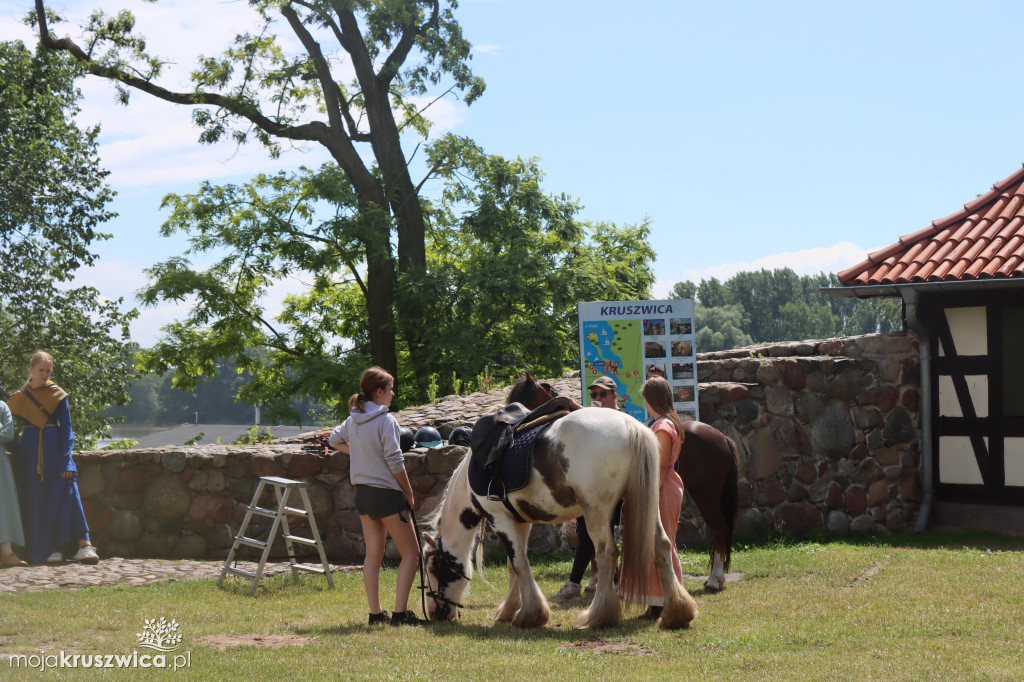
column 708, row 465
column 583, row 464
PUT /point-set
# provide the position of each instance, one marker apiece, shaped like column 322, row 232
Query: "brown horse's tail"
column 730, row 501
column 640, row 516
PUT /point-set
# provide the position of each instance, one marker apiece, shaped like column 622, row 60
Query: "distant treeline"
column 779, row 305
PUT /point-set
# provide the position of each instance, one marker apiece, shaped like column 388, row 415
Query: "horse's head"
column 447, row 579
column 530, row 393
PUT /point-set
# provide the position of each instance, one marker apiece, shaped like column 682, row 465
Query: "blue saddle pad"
column 514, row 469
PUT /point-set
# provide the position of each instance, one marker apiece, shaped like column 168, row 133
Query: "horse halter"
column 445, row 561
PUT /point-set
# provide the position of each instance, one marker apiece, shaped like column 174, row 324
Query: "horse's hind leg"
column 606, row 608
column 508, row 608
column 719, row 550
column 679, row 608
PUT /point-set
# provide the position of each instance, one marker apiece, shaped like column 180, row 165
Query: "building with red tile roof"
column 962, row 284
column 983, row 241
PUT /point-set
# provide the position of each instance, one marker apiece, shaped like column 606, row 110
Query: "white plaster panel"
column 977, row 386
column 1013, row 461
column 956, row 461
column 969, row 327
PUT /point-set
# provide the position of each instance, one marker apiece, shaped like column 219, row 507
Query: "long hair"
column 657, row 394
column 371, row 379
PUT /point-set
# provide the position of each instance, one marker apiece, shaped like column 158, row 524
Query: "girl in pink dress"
column 668, row 427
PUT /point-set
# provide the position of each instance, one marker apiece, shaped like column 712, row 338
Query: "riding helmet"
column 428, row 437
column 406, row 438
column 460, row 436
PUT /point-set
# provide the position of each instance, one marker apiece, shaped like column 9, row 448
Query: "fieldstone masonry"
column 827, row 431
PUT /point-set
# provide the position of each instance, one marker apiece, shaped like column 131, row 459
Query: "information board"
column 630, row 341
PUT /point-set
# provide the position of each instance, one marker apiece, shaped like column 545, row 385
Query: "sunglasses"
column 599, row 394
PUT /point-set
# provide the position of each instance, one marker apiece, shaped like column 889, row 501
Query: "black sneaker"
column 379, row 618
column 406, row 618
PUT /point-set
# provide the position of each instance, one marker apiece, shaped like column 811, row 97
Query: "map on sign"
column 631, row 341
column 606, row 343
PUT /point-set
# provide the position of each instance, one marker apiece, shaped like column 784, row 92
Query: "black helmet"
column 428, row 437
column 406, row 438
column 460, row 436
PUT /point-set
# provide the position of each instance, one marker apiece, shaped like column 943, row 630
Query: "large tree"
column 506, row 265
column 53, row 200
column 397, row 49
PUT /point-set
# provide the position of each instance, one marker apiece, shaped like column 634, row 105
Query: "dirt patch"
column 867, row 574
column 602, row 646
column 222, row 642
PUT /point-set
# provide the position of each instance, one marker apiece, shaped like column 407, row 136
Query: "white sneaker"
column 86, row 555
column 569, row 591
column 55, row 558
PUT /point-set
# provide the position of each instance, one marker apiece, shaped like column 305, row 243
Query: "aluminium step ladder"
column 282, row 490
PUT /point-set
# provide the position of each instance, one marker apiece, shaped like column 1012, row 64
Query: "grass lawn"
column 927, row 606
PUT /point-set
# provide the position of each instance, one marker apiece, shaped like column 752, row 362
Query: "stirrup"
column 494, row 496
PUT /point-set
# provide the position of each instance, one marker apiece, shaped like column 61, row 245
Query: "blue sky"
column 752, row 134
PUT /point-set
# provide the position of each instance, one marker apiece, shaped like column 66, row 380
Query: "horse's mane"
column 428, row 523
column 522, row 391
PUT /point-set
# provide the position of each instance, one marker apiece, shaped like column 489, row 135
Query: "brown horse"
column 708, row 464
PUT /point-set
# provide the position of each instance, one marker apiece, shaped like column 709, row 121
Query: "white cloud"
column 833, row 258
column 488, row 48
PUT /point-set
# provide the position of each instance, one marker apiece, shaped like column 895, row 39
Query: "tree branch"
column 397, row 57
column 315, row 131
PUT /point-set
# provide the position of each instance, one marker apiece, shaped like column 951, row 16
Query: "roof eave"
column 895, row 290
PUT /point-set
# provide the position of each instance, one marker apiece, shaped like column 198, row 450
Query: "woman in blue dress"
column 10, row 516
column 51, row 507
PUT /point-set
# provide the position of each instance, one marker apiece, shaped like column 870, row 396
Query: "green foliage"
column 254, row 437
column 432, row 389
column 721, row 328
column 122, row 444
column 265, row 86
column 52, row 203
column 507, row 264
column 195, row 439
column 778, row 305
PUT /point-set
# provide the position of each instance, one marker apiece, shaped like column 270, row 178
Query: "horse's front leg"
column 508, row 608
column 533, row 609
column 679, row 608
column 606, row 608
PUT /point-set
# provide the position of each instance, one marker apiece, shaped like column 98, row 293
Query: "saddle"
column 502, row 447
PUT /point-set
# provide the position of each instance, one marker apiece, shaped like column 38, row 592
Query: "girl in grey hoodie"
column 382, row 490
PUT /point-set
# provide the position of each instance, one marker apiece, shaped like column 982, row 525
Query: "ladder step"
column 238, row 571
column 295, row 511
column 304, row 541
column 310, row 569
column 250, row 542
column 269, row 513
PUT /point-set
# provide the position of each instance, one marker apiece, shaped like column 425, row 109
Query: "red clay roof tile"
column 983, row 240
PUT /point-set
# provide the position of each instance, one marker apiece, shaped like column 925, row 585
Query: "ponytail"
column 371, row 379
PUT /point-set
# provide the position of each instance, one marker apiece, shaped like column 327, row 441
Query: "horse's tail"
column 730, row 500
column 640, row 516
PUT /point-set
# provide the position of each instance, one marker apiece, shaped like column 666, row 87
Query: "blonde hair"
column 372, row 379
column 37, row 357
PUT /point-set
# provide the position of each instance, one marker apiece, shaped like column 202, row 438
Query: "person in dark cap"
column 603, row 393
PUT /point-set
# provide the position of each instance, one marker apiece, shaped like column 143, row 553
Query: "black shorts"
column 379, row 502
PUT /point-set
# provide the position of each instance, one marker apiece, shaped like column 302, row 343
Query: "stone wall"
column 827, row 430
